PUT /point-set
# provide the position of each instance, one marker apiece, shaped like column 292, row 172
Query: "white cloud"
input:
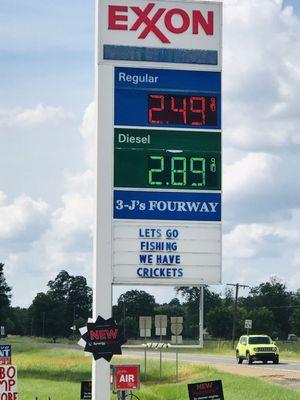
column 252, row 240
column 23, row 219
column 33, row 117
column 88, row 132
column 76, row 215
column 261, row 76
column 248, row 174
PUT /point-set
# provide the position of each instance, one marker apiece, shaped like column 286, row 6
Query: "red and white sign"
column 8, row 383
column 190, row 25
column 126, row 377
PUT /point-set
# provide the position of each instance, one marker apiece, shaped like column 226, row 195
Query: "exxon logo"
column 160, row 20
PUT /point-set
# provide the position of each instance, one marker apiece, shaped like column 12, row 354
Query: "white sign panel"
column 165, row 32
column 166, row 253
column 8, row 383
column 248, row 324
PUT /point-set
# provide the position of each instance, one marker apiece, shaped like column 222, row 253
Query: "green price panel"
column 167, row 159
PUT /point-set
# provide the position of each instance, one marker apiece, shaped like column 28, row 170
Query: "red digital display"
column 182, row 110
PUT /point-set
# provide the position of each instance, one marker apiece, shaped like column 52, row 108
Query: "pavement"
column 286, row 373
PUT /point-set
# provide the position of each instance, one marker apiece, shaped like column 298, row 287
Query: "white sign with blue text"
column 160, row 253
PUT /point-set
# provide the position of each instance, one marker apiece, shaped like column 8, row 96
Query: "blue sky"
column 47, row 143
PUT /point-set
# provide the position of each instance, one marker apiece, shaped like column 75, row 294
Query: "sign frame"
column 104, row 103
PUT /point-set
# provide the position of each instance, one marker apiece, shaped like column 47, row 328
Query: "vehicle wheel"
column 265, row 361
column 276, row 360
column 238, row 358
column 249, row 358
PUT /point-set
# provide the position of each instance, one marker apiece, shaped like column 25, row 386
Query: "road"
column 292, row 366
column 284, row 365
column 286, row 373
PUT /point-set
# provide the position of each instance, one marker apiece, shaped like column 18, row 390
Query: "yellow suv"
column 257, row 348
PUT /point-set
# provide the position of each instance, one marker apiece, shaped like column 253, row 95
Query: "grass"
column 57, row 373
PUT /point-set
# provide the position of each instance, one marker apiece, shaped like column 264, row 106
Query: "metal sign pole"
column 176, row 359
column 102, row 282
column 201, row 310
column 160, row 351
column 145, row 347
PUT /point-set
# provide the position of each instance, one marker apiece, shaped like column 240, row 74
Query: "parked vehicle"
column 257, row 348
column 292, row 337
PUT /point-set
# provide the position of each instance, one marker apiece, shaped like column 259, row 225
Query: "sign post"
column 248, row 325
column 158, row 123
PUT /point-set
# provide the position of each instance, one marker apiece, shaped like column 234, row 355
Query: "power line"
column 237, row 286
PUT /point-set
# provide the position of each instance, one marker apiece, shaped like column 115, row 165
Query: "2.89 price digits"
column 178, row 171
column 182, row 110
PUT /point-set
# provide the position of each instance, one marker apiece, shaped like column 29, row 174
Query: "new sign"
column 103, row 338
column 206, row 390
column 165, row 32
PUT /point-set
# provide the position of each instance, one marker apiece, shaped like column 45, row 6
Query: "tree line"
column 67, row 303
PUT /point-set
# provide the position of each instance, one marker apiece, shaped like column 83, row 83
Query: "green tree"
column 68, row 301
column 274, row 296
column 191, row 296
column 132, row 305
column 20, row 321
column 5, row 296
column 295, row 322
column 219, row 322
column 74, row 293
column 262, row 321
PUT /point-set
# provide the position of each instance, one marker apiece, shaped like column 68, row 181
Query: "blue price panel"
column 170, row 206
column 167, row 98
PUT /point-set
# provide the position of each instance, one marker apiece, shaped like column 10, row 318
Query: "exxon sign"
column 171, row 32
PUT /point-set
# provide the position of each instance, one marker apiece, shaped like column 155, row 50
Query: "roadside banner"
column 5, row 354
column 8, row 382
column 86, row 390
column 206, row 390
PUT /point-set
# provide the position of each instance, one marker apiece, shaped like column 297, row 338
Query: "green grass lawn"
column 57, row 373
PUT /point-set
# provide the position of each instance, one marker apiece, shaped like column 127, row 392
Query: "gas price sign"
column 167, row 176
column 167, row 159
column 167, row 98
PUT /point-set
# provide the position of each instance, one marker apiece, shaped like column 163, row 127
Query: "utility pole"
column 73, row 327
column 43, row 329
column 237, row 286
column 124, row 318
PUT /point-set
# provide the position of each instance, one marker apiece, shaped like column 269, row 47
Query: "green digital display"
column 189, row 171
column 156, row 159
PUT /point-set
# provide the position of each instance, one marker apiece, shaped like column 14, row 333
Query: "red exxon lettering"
column 150, row 23
column 114, row 17
column 207, row 26
column 194, row 20
column 169, row 22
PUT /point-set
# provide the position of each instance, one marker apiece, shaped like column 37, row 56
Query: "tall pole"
column 124, row 318
column 43, row 327
column 102, row 265
column 201, row 314
column 234, row 318
column 73, row 327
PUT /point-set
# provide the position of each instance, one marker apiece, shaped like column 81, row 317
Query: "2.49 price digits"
column 179, row 171
column 182, row 110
